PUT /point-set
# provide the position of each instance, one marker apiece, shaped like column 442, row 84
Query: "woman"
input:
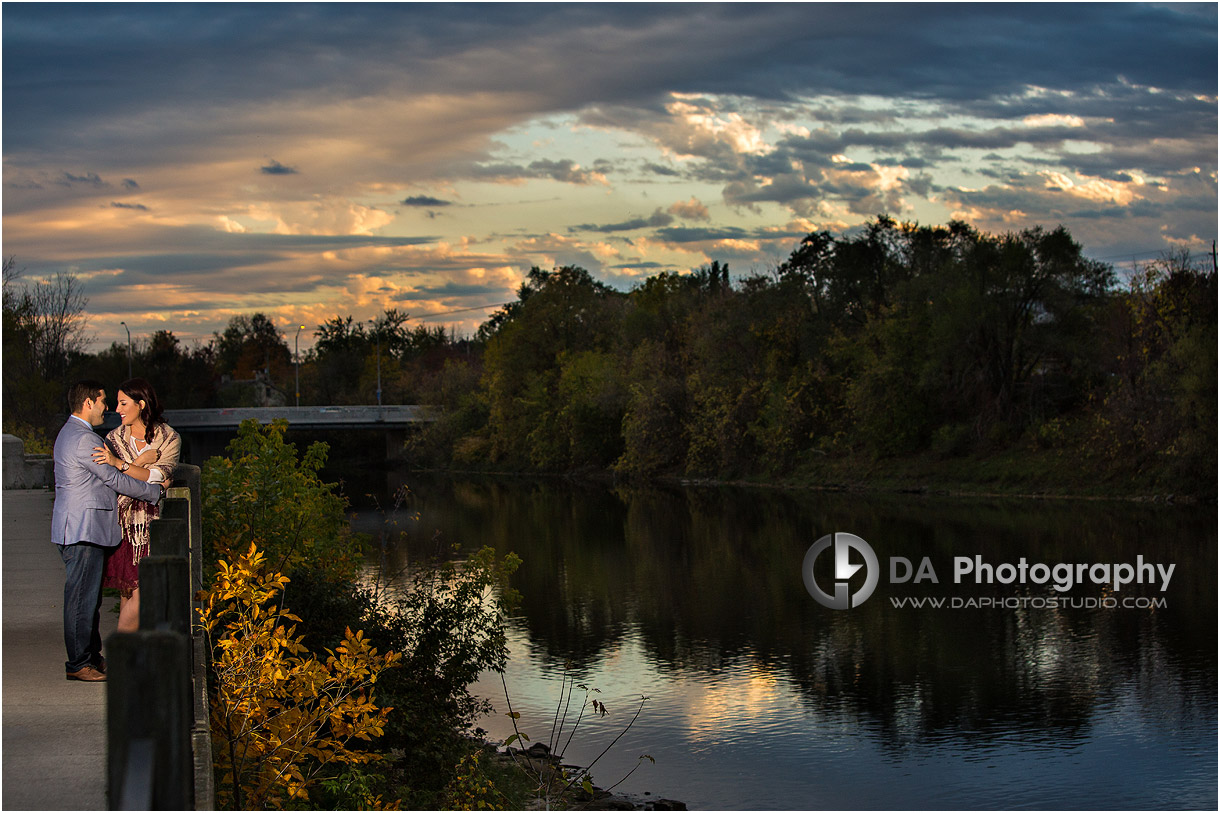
column 147, row 448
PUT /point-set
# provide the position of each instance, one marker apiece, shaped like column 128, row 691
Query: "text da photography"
column 842, row 570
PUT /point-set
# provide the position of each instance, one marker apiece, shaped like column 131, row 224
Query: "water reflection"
column 695, row 598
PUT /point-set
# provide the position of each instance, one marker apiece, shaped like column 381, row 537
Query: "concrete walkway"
column 54, row 741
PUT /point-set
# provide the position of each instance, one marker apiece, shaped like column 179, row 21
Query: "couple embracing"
column 105, row 496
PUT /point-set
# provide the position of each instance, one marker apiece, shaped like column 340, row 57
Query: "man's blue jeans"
column 82, row 603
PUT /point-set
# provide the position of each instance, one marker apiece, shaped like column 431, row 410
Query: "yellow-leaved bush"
column 280, row 715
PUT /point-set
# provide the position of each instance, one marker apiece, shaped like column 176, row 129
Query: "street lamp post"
column 124, row 324
column 377, row 335
column 298, row 361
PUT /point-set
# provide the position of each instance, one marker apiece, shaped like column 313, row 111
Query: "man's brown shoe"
column 88, row 673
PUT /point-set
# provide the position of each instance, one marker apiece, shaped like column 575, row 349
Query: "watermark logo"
column 840, row 570
column 844, row 569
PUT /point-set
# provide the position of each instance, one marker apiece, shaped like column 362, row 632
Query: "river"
column 1015, row 695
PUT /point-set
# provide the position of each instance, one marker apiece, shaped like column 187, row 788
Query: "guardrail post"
column 169, row 537
column 176, row 507
column 148, row 698
column 165, row 597
column 187, row 484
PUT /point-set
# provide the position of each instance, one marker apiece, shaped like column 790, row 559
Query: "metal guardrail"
column 159, row 746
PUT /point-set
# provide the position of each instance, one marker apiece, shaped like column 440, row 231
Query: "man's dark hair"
column 82, row 391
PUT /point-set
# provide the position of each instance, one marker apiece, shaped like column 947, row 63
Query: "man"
column 84, row 524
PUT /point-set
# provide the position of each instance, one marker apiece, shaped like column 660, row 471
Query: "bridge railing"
column 159, row 744
column 318, row 417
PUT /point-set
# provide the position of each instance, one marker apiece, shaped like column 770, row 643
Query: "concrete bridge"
column 307, row 417
column 205, row 432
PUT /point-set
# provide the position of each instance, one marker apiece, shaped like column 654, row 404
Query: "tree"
column 47, row 317
column 561, row 311
column 337, row 359
column 280, row 716
column 343, row 363
column 252, row 344
column 654, row 421
column 890, row 340
column 850, row 279
column 1004, row 312
column 945, row 324
column 340, row 334
column 59, row 319
column 44, row 330
column 390, row 330
column 184, row 379
column 1160, row 403
column 262, row 494
column 453, row 614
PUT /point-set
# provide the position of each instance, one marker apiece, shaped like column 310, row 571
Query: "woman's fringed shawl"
column 134, row 515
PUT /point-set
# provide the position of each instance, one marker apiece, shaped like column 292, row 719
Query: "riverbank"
column 545, row 770
column 1028, row 473
column 1042, row 474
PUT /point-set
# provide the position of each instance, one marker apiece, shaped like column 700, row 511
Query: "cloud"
column 865, row 190
column 661, row 169
column 640, row 266
column 657, row 218
column 454, row 289
column 308, row 284
column 151, row 248
column 686, row 234
column 698, row 127
column 320, row 216
column 276, row 168
column 689, row 210
column 756, row 248
column 425, row 201
column 88, row 179
column 818, row 114
column 554, row 250
column 627, row 53
column 1122, row 217
column 565, row 171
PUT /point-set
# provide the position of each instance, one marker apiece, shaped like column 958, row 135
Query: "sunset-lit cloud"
column 194, row 162
column 690, row 210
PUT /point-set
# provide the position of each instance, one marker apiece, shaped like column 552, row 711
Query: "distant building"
column 251, row 392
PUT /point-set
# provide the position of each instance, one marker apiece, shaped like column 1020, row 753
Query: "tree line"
column 897, row 342
column 249, row 363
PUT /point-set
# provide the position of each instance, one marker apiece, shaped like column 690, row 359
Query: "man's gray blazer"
column 86, row 501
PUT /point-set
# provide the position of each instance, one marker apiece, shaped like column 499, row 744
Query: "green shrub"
column 953, row 439
column 448, row 625
column 262, row 494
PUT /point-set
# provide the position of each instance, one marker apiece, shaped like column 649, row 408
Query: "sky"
column 193, row 162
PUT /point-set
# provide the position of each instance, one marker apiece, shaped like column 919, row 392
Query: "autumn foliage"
column 282, row 716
